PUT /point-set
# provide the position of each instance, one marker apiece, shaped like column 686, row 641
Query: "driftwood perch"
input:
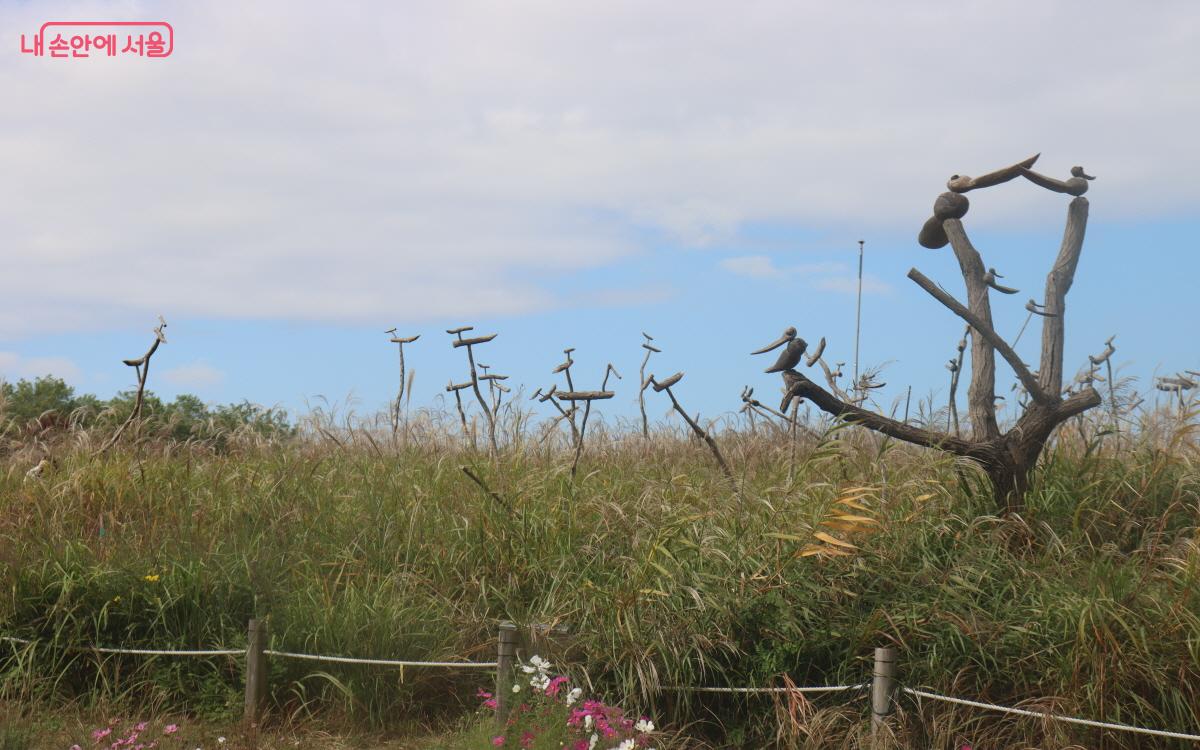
column 665, row 385
column 141, row 366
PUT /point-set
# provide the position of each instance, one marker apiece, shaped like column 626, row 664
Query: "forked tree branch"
column 1020, row 368
column 1058, row 283
column 981, row 404
column 799, row 386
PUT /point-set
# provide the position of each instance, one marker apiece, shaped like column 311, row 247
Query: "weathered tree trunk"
column 1008, row 459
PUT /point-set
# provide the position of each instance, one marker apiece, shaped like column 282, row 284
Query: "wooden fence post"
column 883, row 685
column 256, row 670
column 506, row 652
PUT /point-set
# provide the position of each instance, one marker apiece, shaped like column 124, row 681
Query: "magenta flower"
column 497, row 740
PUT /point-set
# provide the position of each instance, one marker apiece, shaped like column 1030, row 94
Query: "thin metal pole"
column 858, row 315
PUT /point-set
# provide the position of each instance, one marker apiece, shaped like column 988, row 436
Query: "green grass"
column 662, row 572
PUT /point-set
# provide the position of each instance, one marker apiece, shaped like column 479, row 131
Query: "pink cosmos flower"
column 497, row 740
column 553, row 686
column 140, row 726
column 171, row 729
column 100, row 734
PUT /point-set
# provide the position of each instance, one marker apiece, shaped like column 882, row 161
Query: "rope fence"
column 385, row 662
column 743, row 690
column 136, row 651
column 1051, row 717
column 883, row 686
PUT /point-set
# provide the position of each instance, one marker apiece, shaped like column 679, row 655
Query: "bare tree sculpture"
column 650, row 349
column 399, row 341
column 665, row 385
column 483, row 404
column 141, row 366
column 1007, row 458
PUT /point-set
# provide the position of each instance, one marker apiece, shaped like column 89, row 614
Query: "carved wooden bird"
column 791, row 354
column 1076, row 185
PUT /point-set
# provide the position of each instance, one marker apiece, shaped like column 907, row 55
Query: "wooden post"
column 256, row 670
column 506, row 652
column 883, row 684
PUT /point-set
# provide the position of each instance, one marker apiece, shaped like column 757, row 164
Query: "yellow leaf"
column 811, row 550
column 926, row 496
column 785, row 537
column 854, row 519
column 849, row 528
column 828, row 539
column 864, row 490
column 852, row 504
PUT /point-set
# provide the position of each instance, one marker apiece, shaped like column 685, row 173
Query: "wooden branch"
column 799, row 386
column 696, row 428
column 650, row 349
column 487, row 490
column 141, row 366
column 1020, row 368
column 662, row 385
column 584, row 395
column 962, row 183
column 474, row 341
column 1076, row 185
column 981, row 403
column 1058, row 283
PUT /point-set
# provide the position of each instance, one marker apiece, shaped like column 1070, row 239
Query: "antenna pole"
column 858, row 315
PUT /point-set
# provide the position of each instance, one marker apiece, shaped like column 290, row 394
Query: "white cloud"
column 754, row 266
column 403, row 161
column 14, row 366
column 194, row 375
column 829, row 276
column 849, row 285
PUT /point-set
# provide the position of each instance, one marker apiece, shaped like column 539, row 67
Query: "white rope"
column 139, row 651
column 822, row 689
column 385, row 662
column 1055, row 717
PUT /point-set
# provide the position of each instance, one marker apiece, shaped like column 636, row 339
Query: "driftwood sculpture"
column 399, row 341
column 141, row 366
column 470, row 343
column 1009, row 457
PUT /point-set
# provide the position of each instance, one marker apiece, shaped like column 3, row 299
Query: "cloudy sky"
column 298, row 177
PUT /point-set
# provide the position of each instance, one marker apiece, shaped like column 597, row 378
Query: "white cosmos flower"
column 527, row 669
column 574, row 695
column 592, row 742
column 587, row 722
column 516, row 688
column 626, row 745
column 644, row 725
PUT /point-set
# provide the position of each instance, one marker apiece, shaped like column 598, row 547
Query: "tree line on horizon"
column 45, row 404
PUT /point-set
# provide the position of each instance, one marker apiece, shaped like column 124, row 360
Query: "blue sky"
column 294, row 180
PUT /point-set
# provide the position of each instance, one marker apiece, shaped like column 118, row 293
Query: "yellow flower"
column 152, row 578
